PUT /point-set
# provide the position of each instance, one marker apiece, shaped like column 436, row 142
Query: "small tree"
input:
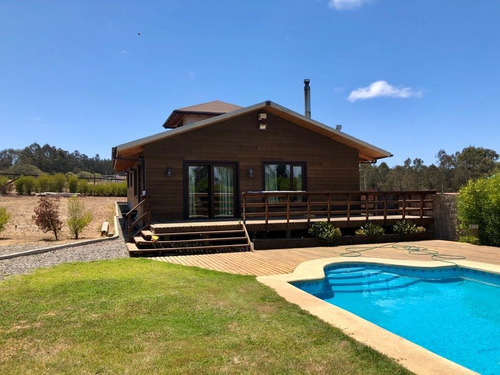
column 47, row 215
column 72, row 183
column 43, row 183
column 5, row 185
column 479, row 204
column 4, row 218
column 57, row 182
column 78, row 219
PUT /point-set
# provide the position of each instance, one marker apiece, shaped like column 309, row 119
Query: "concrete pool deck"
column 276, row 268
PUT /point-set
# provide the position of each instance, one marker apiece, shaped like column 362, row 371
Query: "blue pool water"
column 452, row 311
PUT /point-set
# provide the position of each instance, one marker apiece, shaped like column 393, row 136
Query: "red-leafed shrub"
column 47, row 215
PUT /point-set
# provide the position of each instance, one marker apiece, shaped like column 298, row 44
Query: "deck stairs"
column 163, row 239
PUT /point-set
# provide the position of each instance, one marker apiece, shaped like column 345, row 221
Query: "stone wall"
column 445, row 216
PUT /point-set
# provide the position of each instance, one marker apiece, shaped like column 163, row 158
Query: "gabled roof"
column 214, row 108
column 125, row 154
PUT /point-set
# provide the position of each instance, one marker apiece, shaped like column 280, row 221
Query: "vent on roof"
column 307, row 98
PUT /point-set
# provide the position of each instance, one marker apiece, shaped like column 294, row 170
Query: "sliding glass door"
column 198, row 186
column 211, row 189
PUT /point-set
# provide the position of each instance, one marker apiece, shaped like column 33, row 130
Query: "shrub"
column 72, row 183
column 324, row 231
column 108, row 189
column 370, row 229
column 404, row 227
column 119, row 189
column 47, row 215
column 469, row 239
column 29, row 184
column 88, row 175
column 83, row 187
column 421, row 229
column 78, row 219
column 4, row 187
column 43, row 183
column 24, row 169
column 479, row 204
column 57, row 182
column 25, row 185
column 4, row 218
column 19, row 183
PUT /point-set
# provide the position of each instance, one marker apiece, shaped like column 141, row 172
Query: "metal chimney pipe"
column 307, row 97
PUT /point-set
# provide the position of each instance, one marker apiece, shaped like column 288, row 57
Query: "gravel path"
column 109, row 249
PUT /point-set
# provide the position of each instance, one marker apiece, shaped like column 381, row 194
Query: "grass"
column 138, row 316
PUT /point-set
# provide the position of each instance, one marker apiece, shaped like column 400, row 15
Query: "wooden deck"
column 272, row 262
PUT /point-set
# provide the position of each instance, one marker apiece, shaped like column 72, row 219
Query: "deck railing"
column 303, row 205
column 139, row 217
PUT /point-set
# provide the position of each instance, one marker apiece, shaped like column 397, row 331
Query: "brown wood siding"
column 132, row 199
column 329, row 165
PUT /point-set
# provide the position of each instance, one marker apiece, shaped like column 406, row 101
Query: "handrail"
column 144, row 218
column 290, row 205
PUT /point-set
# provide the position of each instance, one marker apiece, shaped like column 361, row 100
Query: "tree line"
column 449, row 174
column 35, row 159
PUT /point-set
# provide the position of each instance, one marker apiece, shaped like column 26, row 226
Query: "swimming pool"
column 451, row 311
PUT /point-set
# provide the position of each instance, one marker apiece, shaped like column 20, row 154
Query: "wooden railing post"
column 329, row 205
column 422, row 205
column 308, row 209
column 348, row 208
column 385, row 207
column 287, row 210
column 366, row 206
column 244, row 204
column 404, row 205
column 144, row 212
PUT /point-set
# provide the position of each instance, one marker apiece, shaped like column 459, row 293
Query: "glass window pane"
column 283, row 176
column 223, row 191
column 271, row 178
column 198, row 191
column 297, row 178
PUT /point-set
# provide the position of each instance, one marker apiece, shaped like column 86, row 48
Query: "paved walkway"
column 272, row 262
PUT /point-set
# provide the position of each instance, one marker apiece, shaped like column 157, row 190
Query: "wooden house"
column 218, row 161
column 216, row 151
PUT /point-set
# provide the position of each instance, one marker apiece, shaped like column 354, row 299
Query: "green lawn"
column 138, row 316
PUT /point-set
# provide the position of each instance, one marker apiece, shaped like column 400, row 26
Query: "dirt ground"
column 21, row 228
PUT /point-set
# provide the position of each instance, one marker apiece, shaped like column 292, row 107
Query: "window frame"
column 291, row 164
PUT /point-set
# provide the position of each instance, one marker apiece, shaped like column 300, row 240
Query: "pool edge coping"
column 408, row 354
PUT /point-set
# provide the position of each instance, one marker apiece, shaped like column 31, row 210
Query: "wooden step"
column 131, row 247
column 189, row 240
column 217, row 239
column 170, row 234
column 182, row 228
column 188, row 249
column 140, row 241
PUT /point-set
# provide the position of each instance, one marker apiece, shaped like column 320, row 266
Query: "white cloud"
column 383, row 89
column 346, row 4
column 124, row 52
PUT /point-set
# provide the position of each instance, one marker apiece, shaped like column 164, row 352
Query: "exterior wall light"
column 262, row 121
column 169, row 173
column 250, row 172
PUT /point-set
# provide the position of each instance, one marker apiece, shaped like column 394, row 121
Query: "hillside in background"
column 35, row 159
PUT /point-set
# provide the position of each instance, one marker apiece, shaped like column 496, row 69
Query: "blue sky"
column 411, row 77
